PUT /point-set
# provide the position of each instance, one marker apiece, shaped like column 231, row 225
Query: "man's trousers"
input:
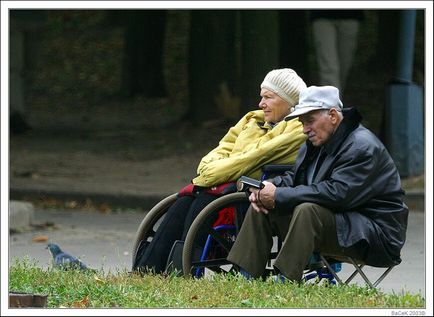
column 308, row 228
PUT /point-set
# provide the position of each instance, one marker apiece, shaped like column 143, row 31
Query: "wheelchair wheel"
column 147, row 228
column 222, row 237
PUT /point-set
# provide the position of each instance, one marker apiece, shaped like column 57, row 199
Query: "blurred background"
column 142, row 85
column 112, row 110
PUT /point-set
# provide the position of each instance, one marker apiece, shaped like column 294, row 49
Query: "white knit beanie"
column 285, row 83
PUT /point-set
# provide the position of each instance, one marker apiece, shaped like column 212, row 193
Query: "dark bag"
column 174, row 260
column 140, row 251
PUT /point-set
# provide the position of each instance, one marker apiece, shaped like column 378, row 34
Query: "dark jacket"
column 358, row 180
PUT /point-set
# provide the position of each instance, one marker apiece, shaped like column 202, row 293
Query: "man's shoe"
column 280, row 278
column 246, row 274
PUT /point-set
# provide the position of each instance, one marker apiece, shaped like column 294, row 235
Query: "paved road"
column 104, row 241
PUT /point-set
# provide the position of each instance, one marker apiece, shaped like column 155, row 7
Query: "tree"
column 293, row 40
column 142, row 71
column 259, row 52
column 211, row 63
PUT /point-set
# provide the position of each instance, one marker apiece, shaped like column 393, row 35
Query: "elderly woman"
column 260, row 137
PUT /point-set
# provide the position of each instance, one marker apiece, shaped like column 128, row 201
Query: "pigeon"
column 64, row 260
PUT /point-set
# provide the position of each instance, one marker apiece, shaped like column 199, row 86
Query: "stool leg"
column 352, row 275
column 382, row 276
column 359, row 269
column 331, row 270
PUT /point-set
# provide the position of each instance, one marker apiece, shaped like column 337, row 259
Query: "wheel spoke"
column 221, row 240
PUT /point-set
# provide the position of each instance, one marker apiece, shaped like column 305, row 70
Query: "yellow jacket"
column 248, row 146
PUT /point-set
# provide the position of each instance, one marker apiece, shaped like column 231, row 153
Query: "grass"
column 75, row 289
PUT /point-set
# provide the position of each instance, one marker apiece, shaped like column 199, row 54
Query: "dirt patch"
column 102, row 159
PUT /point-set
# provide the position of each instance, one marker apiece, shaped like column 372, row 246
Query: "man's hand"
column 263, row 200
column 266, row 195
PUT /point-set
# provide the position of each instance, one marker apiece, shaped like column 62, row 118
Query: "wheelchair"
column 149, row 225
column 221, row 237
column 236, row 201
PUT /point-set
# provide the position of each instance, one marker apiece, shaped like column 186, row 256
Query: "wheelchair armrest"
column 277, row 168
column 232, row 188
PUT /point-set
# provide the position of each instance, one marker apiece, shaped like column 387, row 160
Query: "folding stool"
column 358, row 266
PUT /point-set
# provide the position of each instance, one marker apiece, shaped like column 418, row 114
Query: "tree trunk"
column 293, row 40
column 142, row 64
column 259, row 52
column 211, row 60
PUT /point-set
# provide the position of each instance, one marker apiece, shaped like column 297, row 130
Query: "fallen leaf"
column 40, row 238
column 104, row 208
column 82, row 303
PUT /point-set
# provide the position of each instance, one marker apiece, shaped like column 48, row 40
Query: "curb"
column 120, row 200
column 414, row 199
column 21, row 214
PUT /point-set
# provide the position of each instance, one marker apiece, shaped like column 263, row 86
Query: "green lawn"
column 75, row 289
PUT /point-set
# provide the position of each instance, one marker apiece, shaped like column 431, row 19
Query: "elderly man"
column 343, row 197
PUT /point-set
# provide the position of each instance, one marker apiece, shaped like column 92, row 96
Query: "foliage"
column 79, row 59
column 75, row 289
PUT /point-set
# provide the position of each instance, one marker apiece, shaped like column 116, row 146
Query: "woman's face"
column 275, row 108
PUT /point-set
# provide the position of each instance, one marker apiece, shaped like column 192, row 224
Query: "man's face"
column 319, row 125
column 275, row 108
